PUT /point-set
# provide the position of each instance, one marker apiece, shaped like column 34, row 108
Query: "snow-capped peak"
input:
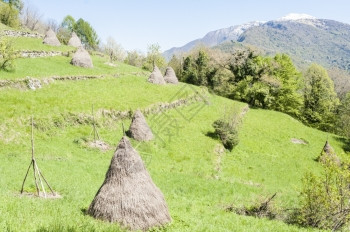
column 294, row 16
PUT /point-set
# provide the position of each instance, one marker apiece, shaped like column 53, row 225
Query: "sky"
column 135, row 24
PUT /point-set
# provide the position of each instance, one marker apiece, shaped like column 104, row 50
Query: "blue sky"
column 137, row 23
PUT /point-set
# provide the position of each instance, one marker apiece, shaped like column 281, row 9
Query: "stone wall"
column 36, row 54
column 22, row 34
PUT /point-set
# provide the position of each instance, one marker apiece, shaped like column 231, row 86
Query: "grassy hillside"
column 185, row 161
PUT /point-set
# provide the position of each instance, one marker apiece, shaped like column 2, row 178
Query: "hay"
column 328, row 154
column 82, row 58
column 74, row 41
column 139, row 129
column 156, row 77
column 51, row 39
column 170, row 76
column 128, row 195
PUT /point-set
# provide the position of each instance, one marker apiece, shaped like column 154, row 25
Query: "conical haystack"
column 170, row 76
column 51, row 39
column 82, row 58
column 128, row 195
column 139, row 128
column 328, row 154
column 156, row 77
column 74, row 41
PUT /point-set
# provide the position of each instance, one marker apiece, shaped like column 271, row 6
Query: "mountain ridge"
column 304, row 37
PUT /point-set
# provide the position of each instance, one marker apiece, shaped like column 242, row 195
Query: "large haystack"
column 74, row 41
column 156, row 77
column 82, row 58
column 128, row 195
column 170, row 76
column 51, row 39
column 139, row 128
column 328, row 154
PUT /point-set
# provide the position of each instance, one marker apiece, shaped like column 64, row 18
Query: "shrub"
column 227, row 128
column 9, row 15
column 7, row 55
column 325, row 199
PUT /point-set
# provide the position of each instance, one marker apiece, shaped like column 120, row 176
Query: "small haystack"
column 328, row 154
column 139, row 128
column 74, row 41
column 128, row 195
column 156, row 77
column 51, row 39
column 82, row 58
column 170, row 76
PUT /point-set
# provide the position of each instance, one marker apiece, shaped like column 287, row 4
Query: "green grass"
column 182, row 163
column 122, row 93
column 4, row 27
column 35, row 44
column 60, row 66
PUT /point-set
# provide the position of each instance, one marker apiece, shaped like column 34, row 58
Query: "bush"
column 7, row 55
column 325, row 200
column 227, row 128
column 9, row 15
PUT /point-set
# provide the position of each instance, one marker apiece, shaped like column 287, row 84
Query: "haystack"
column 328, row 154
column 128, row 195
column 139, row 128
column 156, row 77
column 74, row 41
column 170, row 76
column 51, row 39
column 82, row 58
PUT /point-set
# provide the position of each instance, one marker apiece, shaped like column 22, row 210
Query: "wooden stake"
column 96, row 135
column 36, row 171
column 123, row 129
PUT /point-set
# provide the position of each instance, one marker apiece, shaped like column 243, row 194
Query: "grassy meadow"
column 198, row 178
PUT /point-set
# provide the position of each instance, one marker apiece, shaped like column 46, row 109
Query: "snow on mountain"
column 295, row 16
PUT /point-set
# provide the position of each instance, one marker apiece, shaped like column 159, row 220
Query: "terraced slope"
column 198, row 178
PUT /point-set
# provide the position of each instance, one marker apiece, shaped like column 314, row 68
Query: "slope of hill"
column 213, row 38
column 198, row 178
column 305, row 38
column 326, row 42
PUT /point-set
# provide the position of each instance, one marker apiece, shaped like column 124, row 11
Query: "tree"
column 344, row 116
column 289, row 98
column 198, row 71
column 114, row 50
column 7, row 55
column 9, row 14
column 154, row 57
column 86, row 33
column 176, row 64
column 31, row 18
column 320, row 99
column 17, row 4
column 68, row 23
column 134, row 58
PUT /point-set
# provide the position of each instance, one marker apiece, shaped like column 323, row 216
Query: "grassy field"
column 183, row 165
column 34, row 44
column 60, row 66
column 198, row 181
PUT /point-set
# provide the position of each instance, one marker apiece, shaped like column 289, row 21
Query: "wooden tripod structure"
column 94, row 129
column 38, row 176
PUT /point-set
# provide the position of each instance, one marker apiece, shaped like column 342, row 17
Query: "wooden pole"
column 123, row 129
column 33, row 159
column 26, row 176
column 36, row 171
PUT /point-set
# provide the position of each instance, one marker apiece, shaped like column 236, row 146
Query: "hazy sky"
column 137, row 23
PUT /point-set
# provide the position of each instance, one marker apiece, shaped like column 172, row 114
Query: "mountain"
column 305, row 38
column 213, row 38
